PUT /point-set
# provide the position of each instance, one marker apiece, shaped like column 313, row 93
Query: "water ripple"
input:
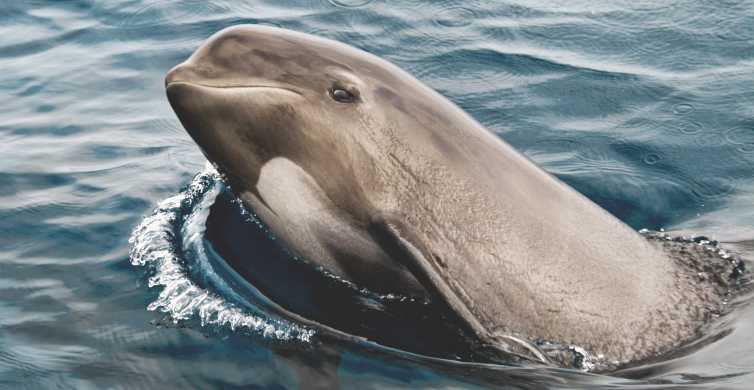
column 350, row 3
column 455, row 17
column 742, row 138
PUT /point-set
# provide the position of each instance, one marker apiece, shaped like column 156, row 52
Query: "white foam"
column 155, row 243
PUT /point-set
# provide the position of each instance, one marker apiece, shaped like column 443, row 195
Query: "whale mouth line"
column 251, row 86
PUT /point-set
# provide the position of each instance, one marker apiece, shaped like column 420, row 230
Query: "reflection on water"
column 646, row 107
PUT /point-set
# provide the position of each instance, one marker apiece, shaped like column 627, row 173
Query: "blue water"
column 646, row 107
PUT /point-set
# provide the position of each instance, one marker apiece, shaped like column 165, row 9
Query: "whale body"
column 360, row 168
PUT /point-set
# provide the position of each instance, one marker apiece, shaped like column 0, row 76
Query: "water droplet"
column 455, row 17
column 349, row 3
column 683, row 108
column 689, row 127
column 741, row 138
column 710, row 140
column 652, row 158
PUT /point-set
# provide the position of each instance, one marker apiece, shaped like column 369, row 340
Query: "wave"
column 157, row 244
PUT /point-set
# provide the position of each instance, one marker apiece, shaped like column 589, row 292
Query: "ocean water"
column 646, row 107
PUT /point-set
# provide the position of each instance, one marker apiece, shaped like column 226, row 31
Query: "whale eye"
column 342, row 95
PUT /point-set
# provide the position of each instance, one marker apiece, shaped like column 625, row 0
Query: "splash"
column 733, row 261
column 156, row 245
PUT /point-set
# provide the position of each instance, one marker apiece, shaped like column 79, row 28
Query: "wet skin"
column 358, row 167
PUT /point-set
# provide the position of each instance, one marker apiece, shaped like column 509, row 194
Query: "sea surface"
column 646, row 107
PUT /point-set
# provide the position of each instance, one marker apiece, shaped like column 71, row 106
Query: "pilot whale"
column 360, row 168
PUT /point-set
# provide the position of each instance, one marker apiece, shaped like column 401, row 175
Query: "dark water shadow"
column 302, row 288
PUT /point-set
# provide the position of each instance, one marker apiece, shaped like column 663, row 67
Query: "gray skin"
column 401, row 191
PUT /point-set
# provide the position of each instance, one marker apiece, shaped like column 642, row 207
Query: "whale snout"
column 173, row 75
column 217, row 61
column 181, row 73
column 200, row 72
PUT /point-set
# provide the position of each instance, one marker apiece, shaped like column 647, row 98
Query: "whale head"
column 252, row 93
